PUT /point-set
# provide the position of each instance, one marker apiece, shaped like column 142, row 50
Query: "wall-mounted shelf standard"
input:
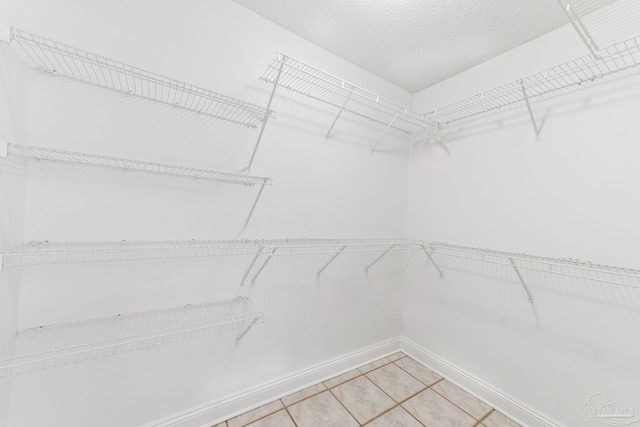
column 522, row 262
column 615, row 58
column 58, row 59
column 53, row 154
column 296, row 76
column 64, row 344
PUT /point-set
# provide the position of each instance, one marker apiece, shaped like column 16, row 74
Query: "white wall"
column 572, row 194
column 14, row 119
column 322, row 189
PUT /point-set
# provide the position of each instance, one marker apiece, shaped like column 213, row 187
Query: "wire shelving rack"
column 304, row 79
column 53, row 154
column 59, row 59
column 612, row 59
column 50, row 346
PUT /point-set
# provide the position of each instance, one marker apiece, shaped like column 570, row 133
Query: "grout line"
column 346, row 409
column 485, row 417
column 257, row 419
column 458, row 406
column 289, row 413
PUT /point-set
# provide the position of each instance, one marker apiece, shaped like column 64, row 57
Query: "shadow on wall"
column 575, row 315
column 569, row 101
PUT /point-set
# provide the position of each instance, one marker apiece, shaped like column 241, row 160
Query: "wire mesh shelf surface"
column 604, row 22
column 63, row 60
column 63, row 344
column 45, row 253
column 307, row 80
column 573, row 268
column 46, row 153
column 615, row 58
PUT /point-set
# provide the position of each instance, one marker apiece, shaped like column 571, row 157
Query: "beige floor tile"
column 342, row 378
column 222, row 424
column 470, row 404
column 251, row 416
column 373, row 365
column 321, row 410
column 426, row 375
column 279, row 419
column 303, row 394
column 363, row 399
column 432, row 409
column 496, row 419
column 396, row 356
column 397, row 417
column 395, row 382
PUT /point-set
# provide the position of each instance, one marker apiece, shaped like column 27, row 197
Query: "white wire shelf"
column 64, row 344
column 304, row 79
column 53, row 154
column 603, row 22
column 573, row 268
column 47, row 253
column 612, row 59
column 59, row 59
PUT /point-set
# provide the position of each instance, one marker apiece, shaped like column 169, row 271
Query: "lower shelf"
column 63, row 344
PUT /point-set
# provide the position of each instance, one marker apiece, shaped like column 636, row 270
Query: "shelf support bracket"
column 264, row 264
column 266, row 118
column 524, row 284
column 344, row 105
column 433, row 262
column 575, row 20
column 366, row 270
column 247, row 329
column 331, row 260
column 531, row 116
column 384, row 133
column 253, row 208
column 253, row 262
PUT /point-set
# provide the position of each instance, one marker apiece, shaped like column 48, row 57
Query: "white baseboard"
column 231, row 405
column 218, row 410
column 498, row 399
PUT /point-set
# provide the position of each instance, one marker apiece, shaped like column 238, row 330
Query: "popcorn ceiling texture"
column 414, row 43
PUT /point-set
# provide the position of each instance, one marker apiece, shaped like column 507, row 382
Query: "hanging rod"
column 59, row 59
column 615, row 58
column 304, row 79
column 53, row 154
column 50, row 346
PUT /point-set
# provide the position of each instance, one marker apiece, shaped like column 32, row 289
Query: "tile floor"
column 395, row 391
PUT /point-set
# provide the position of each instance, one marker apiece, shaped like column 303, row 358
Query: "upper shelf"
column 602, row 22
column 45, row 153
column 307, row 80
column 45, row 347
column 62, row 60
column 615, row 58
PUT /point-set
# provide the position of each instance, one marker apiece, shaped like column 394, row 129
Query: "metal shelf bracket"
column 344, row 105
column 247, row 329
column 433, row 262
column 578, row 25
column 253, row 207
column 253, row 262
column 330, row 261
column 366, row 270
column 531, row 116
column 264, row 264
column 373, row 148
column 524, row 284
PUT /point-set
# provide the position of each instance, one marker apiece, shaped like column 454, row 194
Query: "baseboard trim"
column 516, row 409
column 234, row 404
column 231, row 405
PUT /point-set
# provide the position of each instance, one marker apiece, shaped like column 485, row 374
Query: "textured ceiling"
column 414, row 43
